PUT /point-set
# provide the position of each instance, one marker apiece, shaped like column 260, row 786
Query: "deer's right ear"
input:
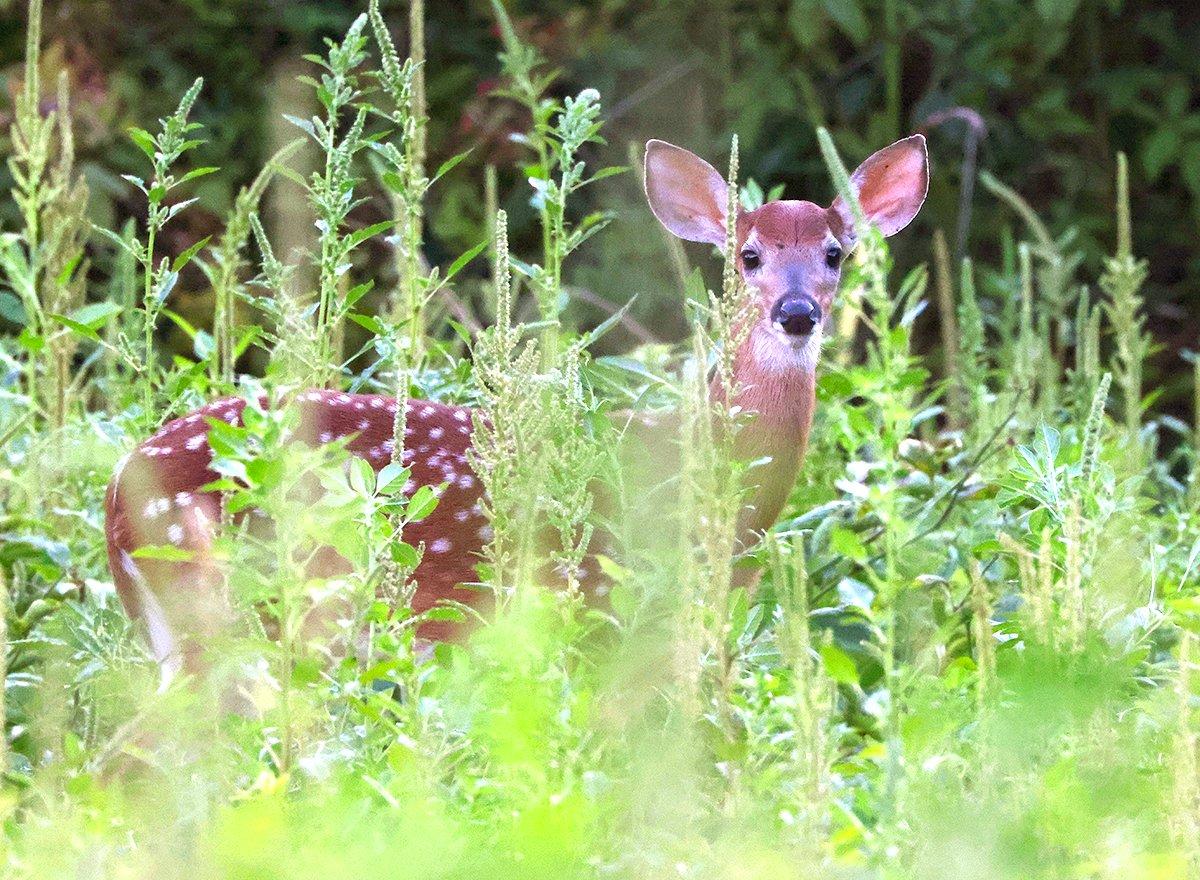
column 686, row 194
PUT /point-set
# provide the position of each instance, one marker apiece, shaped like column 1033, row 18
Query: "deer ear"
column 891, row 186
column 686, row 194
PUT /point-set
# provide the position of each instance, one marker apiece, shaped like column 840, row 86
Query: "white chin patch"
column 781, row 352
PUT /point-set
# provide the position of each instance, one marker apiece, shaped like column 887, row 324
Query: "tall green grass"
column 972, row 648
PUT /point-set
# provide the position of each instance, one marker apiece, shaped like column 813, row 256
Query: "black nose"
column 796, row 315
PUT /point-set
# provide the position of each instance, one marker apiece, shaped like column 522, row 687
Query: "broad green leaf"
column 838, row 664
column 144, row 140
column 421, row 504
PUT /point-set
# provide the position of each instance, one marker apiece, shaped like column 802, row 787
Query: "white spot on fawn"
column 460, row 415
column 183, row 499
column 194, row 443
column 486, row 533
column 157, row 506
column 326, row 436
column 441, row 545
column 376, row 403
column 461, row 515
column 175, row 533
column 466, row 481
column 436, row 433
column 363, row 424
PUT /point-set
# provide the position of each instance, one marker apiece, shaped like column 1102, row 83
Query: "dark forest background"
column 1039, row 94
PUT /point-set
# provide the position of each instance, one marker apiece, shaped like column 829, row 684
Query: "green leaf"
column 463, row 259
column 354, row 239
column 135, row 180
column 165, row 285
column 610, row 171
column 11, row 309
column 64, row 277
column 96, row 315
column 182, row 323
column 838, row 664
column 116, row 239
column 289, row 173
column 144, row 140
column 1159, row 151
column 446, row 613
column 251, row 333
column 186, row 257
column 32, row 342
column 358, row 292
column 362, row 477
column 198, row 172
column 204, row 345
column 82, row 329
column 449, row 164
column 391, row 473
column 608, row 323
column 179, row 206
column 848, row 544
column 421, row 504
column 405, row 555
column 848, row 16
column 163, row 552
column 369, row 322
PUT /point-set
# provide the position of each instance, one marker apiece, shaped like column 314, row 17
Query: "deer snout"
column 796, row 315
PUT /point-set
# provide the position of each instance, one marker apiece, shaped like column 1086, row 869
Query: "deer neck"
column 776, row 390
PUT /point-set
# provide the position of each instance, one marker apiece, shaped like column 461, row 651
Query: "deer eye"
column 750, row 259
column 833, row 256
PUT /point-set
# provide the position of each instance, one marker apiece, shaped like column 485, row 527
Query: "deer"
column 789, row 253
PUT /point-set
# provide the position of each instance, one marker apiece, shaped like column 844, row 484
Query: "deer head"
column 789, row 252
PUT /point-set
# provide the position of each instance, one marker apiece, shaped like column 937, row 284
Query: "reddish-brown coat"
column 155, row 499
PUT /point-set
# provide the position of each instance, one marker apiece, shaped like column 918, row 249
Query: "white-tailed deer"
column 790, row 253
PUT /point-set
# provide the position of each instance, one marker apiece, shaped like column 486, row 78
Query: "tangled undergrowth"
column 971, row 651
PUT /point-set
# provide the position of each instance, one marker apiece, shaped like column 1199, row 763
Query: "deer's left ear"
column 891, row 186
column 686, row 194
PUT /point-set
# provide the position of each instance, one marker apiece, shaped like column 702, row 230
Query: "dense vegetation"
column 972, row 649
column 1042, row 95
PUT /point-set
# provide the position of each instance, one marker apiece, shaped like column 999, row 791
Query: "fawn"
column 790, row 253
